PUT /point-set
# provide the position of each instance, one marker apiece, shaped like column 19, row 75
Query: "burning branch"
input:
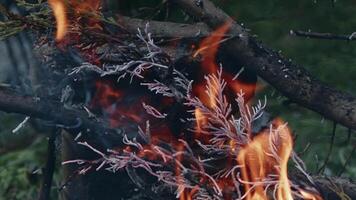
column 222, row 157
column 229, row 137
column 278, row 71
column 290, row 79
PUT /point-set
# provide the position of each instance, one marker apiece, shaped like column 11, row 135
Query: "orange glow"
column 208, row 50
column 209, row 47
column 258, row 160
column 179, row 176
column 309, row 196
column 286, row 146
column 200, row 119
column 236, row 86
column 86, row 6
column 106, row 94
column 59, row 11
column 80, row 8
column 258, row 163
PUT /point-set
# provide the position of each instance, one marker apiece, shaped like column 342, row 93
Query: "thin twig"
column 306, row 148
column 347, row 161
column 45, row 191
column 325, row 36
column 322, row 168
column 349, row 134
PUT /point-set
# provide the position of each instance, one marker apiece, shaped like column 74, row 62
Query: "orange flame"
column 59, row 11
column 258, row 164
column 200, row 119
column 255, row 157
column 80, row 7
column 86, row 6
column 208, row 49
column 284, row 192
column 236, row 86
column 309, row 196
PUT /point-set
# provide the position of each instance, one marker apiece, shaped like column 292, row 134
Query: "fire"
column 209, row 47
column 59, row 11
column 208, row 50
column 86, row 6
column 264, row 157
column 284, row 192
column 267, row 154
column 236, row 86
column 106, row 95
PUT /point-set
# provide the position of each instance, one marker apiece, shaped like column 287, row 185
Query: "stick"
column 73, row 121
column 45, row 191
column 322, row 168
column 325, row 36
column 348, row 160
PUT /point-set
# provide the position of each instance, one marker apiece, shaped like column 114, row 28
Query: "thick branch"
column 165, row 29
column 72, row 120
column 290, row 79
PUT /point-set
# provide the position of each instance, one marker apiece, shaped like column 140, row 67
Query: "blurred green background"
column 22, row 155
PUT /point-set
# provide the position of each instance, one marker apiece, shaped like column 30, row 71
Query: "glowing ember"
column 267, row 154
column 86, row 6
column 59, row 11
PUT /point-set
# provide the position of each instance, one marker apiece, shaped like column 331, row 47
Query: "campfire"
column 206, row 149
column 186, row 128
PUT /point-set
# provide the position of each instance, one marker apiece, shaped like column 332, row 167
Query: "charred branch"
column 165, row 29
column 325, row 36
column 335, row 188
column 50, row 165
column 55, row 114
column 292, row 80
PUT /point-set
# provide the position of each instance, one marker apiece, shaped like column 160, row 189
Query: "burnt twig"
column 325, row 36
column 45, row 191
column 349, row 158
